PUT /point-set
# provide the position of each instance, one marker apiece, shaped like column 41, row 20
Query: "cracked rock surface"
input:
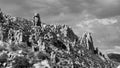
column 24, row 45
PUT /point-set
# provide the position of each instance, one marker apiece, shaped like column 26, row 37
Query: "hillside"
column 114, row 57
column 25, row 45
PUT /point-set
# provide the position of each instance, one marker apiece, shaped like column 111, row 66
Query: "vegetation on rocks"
column 33, row 44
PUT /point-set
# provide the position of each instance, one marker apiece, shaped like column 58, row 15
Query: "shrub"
column 21, row 62
column 42, row 56
column 3, row 58
column 13, row 47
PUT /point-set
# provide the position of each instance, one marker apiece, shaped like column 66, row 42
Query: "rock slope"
column 24, row 45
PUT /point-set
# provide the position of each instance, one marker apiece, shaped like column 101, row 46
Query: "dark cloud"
column 105, row 8
column 99, row 8
column 110, row 12
column 15, row 7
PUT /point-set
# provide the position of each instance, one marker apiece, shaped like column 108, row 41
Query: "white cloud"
column 107, row 21
column 93, row 22
column 80, row 25
column 116, row 49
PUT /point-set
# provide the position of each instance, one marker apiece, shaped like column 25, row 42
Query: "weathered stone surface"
column 51, row 46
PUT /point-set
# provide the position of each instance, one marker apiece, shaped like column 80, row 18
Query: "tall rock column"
column 90, row 42
column 37, row 21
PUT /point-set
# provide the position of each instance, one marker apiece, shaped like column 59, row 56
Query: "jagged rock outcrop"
column 51, row 46
column 87, row 41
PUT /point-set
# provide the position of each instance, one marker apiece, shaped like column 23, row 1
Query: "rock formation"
column 37, row 21
column 26, row 45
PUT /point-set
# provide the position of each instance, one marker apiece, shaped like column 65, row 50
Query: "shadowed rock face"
column 59, row 44
column 114, row 57
column 51, row 46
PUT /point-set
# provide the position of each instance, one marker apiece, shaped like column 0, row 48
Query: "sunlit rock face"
column 87, row 41
column 118, row 66
column 26, row 45
column 43, row 64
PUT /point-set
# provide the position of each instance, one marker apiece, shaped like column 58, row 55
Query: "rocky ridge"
column 25, row 45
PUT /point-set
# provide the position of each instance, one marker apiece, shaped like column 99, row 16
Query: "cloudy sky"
column 82, row 15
